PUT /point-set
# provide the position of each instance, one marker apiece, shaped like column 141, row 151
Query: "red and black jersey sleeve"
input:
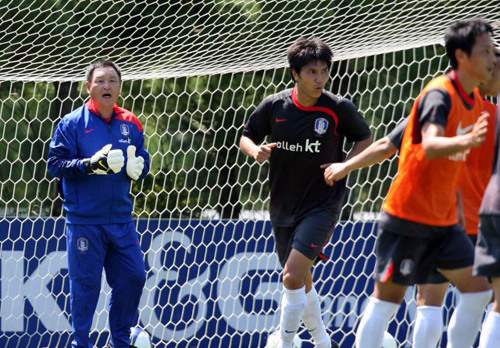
column 258, row 126
column 351, row 124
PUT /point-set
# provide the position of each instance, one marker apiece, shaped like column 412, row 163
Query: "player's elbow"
column 53, row 168
column 385, row 146
column 430, row 150
column 382, row 149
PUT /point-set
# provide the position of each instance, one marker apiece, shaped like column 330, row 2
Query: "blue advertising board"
column 209, row 284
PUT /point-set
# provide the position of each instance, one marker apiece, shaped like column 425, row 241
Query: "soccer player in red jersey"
column 308, row 126
column 419, row 231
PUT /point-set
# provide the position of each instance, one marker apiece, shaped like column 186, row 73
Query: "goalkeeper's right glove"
column 105, row 161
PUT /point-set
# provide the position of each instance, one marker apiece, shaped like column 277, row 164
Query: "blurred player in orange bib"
column 473, row 183
column 419, row 230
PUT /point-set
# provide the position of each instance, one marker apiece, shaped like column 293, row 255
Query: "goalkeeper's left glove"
column 135, row 165
column 105, row 161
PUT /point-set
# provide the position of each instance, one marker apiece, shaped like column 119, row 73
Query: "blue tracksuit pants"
column 115, row 248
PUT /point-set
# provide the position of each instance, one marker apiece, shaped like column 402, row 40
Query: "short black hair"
column 99, row 65
column 462, row 35
column 305, row 51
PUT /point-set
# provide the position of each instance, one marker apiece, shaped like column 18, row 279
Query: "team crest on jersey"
column 124, row 129
column 320, row 126
column 82, row 244
column 406, row 267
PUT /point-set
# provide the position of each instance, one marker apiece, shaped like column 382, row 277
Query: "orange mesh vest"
column 477, row 173
column 425, row 191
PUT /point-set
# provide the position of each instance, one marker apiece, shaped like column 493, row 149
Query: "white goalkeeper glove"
column 135, row 165
column 105, row 161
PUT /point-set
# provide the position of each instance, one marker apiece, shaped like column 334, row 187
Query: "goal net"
column 193, row 73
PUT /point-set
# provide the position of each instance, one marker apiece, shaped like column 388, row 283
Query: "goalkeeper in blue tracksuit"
column 97, row 150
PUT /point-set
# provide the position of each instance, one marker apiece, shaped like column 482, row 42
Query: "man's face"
column 312, row 78
column 492, row 86
column 481, row 62
column 105, row 86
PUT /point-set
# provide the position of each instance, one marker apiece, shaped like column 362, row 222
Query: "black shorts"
column 438, row 278
column 487, row 253
column 412, row 260
column 309, row 236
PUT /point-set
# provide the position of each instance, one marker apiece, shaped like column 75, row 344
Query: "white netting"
column 194, row 71
column 55, row 40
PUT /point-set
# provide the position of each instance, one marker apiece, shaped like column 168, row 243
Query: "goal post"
column 193, row 72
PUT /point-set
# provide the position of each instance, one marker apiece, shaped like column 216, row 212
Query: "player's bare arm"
column 260, row 153
column 375, row 153
column 436, row 145
column 358, row 147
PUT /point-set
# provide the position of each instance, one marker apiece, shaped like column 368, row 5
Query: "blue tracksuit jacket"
column 95, row 199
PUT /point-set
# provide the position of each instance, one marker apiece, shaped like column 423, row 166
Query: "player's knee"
column 429, row 298
column 139, row 278
column 479, row 284
column 293, row 280
column 428, row 301
column 136, row 279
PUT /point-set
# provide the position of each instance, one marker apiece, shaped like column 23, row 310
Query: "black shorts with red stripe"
column 309, row 236
column 409, row 260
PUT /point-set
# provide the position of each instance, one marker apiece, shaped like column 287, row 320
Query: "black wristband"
column 87, row 165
